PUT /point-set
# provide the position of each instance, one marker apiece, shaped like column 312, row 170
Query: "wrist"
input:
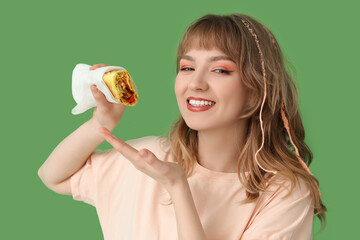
column 178, row 186
column 96, row 125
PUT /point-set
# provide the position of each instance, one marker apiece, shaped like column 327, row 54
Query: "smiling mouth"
column 197, row 103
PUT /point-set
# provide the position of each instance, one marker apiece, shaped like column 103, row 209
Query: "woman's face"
column 212, row 76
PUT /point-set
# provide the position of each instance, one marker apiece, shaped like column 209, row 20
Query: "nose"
column 198, row 82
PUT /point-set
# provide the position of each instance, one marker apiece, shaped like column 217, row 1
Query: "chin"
column 197, row 121
column 196, row 124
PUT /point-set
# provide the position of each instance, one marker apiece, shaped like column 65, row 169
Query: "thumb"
column 98, row 95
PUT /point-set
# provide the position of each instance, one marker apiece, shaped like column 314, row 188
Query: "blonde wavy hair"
column 230, row 34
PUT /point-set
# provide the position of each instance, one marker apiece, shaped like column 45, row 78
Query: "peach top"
column 132, row 206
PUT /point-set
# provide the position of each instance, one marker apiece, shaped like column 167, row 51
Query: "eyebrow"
column 212, row 59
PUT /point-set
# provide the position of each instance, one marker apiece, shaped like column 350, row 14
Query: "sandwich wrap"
column 113, row 81
column 121, row 86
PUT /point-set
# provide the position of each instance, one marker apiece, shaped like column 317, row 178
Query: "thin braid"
column 286, row 122
column 262, row 104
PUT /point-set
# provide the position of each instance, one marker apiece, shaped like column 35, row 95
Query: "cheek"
column 180, row 95
column 176, row 87
column 235, row 93
column 179, row 87
column 230, row 90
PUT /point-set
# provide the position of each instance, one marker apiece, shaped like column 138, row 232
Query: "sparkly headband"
column 285, row 120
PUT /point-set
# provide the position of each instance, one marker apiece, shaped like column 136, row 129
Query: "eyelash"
column 223, row 71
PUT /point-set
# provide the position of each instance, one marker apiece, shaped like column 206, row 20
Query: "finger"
column 124, row 148
column 95, row 66
column 98, row 95
column 131, row 153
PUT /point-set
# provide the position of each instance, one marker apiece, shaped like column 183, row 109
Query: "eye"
column 183, row 69
column 223, row 71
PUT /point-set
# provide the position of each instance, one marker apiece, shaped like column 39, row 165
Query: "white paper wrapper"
column 82, row 79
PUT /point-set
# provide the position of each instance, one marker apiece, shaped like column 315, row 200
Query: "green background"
column 42, row 41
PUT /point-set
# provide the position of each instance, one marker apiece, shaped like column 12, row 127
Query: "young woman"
column 227, row 165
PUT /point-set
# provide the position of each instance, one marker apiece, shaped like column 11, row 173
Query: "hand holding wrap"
column 115, row 82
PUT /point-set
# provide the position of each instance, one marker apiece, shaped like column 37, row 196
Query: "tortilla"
column 121, row 86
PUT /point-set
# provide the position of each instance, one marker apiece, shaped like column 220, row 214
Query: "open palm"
column 166, row 173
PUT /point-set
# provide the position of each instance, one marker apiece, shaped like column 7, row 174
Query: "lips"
column 199, row 108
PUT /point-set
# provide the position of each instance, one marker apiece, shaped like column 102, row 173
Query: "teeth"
column 198, row 103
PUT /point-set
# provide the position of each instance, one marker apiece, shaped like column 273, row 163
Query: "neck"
column 219, row 149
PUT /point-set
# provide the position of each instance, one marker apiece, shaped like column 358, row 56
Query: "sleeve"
column 83, row 182
column 283, row 217
column 95, row 180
